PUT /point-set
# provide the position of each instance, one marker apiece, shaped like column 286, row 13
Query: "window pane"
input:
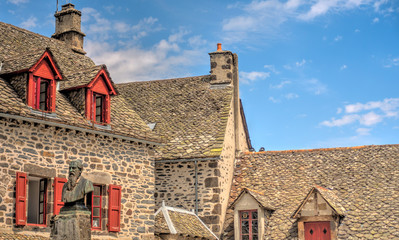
column 41, row 197
column 244, row 215
column 41, row 219
column 254, row 226
column 42, row 185
column 41, row 207
column 96, row 212
column 244, row 227
column 245, row 237
column 255, row 215
column 255, row 237
column 97, row 190
column 96, row 201
column 96, row 222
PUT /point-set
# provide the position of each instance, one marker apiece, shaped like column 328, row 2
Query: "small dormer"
column 90, row 91
column 319, row 215
column 34, row 76
column 251, row 210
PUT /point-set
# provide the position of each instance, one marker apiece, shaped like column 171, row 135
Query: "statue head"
column 75, row 170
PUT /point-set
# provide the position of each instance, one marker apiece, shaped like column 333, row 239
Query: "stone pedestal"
column 71, row 225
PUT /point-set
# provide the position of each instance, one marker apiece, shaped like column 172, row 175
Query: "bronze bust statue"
column 75, row 190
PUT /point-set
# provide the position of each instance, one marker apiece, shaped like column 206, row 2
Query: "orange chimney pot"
column 219, row 47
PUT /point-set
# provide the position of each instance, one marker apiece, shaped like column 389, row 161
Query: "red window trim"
column 250, row 234
column 91, row 107
column 100, row 207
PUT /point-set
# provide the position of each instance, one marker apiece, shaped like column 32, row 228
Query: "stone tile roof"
column 81, row 77
column 190, row 116
column 19, row 49
column 20, row 236
column 365, row 179
column 177, row 221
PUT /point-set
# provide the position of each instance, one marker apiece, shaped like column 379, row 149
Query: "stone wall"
column 44, row 151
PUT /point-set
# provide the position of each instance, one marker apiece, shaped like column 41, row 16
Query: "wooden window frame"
column 114, row 208
column 250, row 219
column 102, row 107
column 99, row 207
column 38, row 87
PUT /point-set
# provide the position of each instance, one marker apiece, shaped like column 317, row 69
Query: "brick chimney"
column 67, row 27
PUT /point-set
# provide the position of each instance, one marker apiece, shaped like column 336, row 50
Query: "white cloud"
column 264, row 17
column 363, row 131
column 280, row 85
column 17, row 2
column 343, row 67
column 290, row 96
column 271, row 68
column 30, row 23
column 376, row 20
column 338, row 38
column 392, row 62
column 248, row 77
column 274, row 100
column 315, row 86
column 301, row 63
column 357, row 30
column 366, row 114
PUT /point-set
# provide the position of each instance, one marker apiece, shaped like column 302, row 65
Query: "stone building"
column 58, row 106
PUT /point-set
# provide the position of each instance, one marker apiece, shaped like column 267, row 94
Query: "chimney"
column 223, row 66
column 67, row 27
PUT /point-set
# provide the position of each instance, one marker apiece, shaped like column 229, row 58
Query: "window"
column 43, row 94
column 94, row 202
column 31, row 191
column 249, row 225
column 98, row 107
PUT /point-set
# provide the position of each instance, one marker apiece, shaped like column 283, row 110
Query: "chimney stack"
column 224, row 66
column 67, row 27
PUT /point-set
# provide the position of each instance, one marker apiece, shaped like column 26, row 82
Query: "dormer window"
column 41, row 90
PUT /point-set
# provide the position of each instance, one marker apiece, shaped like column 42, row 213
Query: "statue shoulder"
column 88, row 185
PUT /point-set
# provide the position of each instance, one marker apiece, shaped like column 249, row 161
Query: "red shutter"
column 114, row 208
column 20, row 199
column 89, row 98
column 107, row 109
column 58, row 184
column 51, row 94
column 37, row 96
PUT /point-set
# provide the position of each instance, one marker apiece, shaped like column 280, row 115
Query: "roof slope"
column 190, row 116
column 170, row 220
column 365, row 179
column 20, row 49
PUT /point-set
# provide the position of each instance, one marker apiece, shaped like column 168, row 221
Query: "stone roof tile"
column 189, row 115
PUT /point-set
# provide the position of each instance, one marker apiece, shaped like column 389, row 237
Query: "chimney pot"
column 219, row 47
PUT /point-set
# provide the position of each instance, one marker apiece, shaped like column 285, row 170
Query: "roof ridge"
column 161, row 80
column 317, row 149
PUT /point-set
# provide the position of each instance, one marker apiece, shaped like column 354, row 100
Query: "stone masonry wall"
column 175, row 183
column 45, row 151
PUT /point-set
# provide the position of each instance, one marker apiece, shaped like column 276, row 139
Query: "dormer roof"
column 328, row 195
column 262, row 200
column 29, row 62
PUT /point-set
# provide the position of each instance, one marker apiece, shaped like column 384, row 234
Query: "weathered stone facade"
column 45, row 151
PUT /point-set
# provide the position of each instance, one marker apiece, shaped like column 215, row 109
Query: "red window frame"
column 101, row 108
column 94, row 206
column 250, row 220
column 39, row 93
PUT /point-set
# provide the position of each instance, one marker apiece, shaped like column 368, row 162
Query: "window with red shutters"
column 58, row 184
column 249, row 225
column 114, row 208
column 94, row 202
column 20, row 201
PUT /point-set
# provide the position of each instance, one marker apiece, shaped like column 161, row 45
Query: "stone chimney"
column 67, row 27
column 224, row 66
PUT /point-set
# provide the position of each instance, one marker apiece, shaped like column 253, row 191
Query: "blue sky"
column 313, row 74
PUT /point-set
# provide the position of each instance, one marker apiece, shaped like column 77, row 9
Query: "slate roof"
column 81, row 77
column 20, row 49
column 190, row 116
column 365, row 181
column 177, row 221
column 20, row 236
